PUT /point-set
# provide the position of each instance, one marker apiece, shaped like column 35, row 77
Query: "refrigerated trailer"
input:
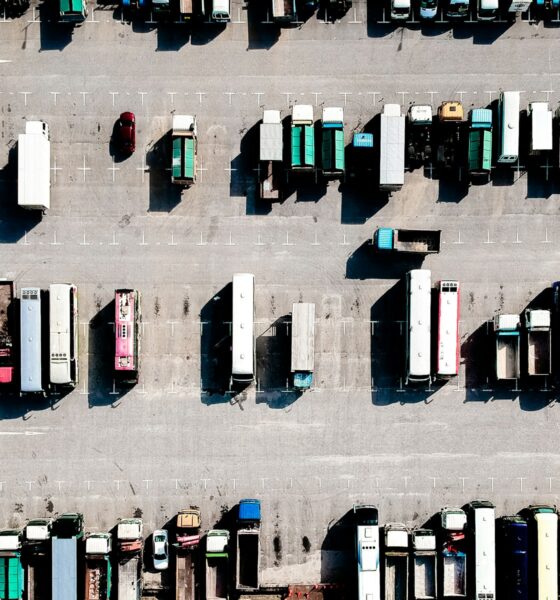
column 34, row 166
column 303, row 345
column 391, row 153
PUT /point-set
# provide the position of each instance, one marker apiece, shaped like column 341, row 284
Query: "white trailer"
column 541, row 128
column 391, row 157
column 34, row 167
column 303, row 344
column 539, row 342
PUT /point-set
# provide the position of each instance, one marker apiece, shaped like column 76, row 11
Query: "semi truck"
column 36, row 550
column 424, row 565
column 217, row 564
column 187, row 539
column 98, row 574
column 539, row 341
column 130, row 544
column 412, row 241
column 506, row 328
column 284, row 11
column 184, row 144
column 480, row 145
column 396, row 562
column 270, row 156
column 453, row 553
column 67, row 535
column 366, row 519
column 332, row 142
column 7, row 361
column 248, row 555
column 419, row 135
column 303, row 345
column 34, row 167
column 450, row 138
column 391, row 152
column 11, row 569
column 303, row 139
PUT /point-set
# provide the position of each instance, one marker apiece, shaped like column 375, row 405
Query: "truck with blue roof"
column 67, row 537
column 98, row 576
column 303, row 345
column 480, row 145
column 412, row 241
column 217, row 564
column 11, row 569
column 419, row 135
column 72, row 11
column 391, row 151
column 506, row 329
column 360, row 160
column 248, row 556
column 184, row 145
column 36, row 551
column 332, row 142
column 270, row 156
column 453, row 553
column 302, row 139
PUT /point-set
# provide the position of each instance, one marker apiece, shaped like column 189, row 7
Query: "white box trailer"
column 303, row 344
column 541, row 127
column 391, row 157
column 34, row 166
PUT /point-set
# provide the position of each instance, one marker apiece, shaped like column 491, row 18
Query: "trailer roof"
column 392, row 149
column 303, row 336
column 271, row 140
column 541, row 126
column 34, row 170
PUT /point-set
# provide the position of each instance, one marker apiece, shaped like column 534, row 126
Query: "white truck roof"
column 421, row 113
column 537, row 318
column 98, row 543
column 271, row 136
column 541, row 126
column 506, row 322
column 34, row 166
column 303, row 336
column 396, row 536
column 333, row 114
column 453, row 519
column 184, row 123
column 302, row 113
column 36, row 531
column 424, row 542
column 217, row 540
column 129, row 529
column 10, row 540
column 391, row 171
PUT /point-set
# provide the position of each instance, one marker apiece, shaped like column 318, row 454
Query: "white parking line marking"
column 113, row 168
column 230, row 243
column 55, row 95
column 258, row 95
column 143, row 242
column 229, row 94
column 25, row 94
column 84, row 242
column 83, row 169
column 345, row 94
column 546, row 240
column 172, row 94
column 488, row 238
column 259, row 242
column 374, row 96
column 200, row 94
column 172, row 242
column 113, row 94
column 55, row 242
column 142, row 94
column 287, row 242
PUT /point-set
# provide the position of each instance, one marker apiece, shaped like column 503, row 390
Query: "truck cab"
column 428, row 9
column 72, row 11
column 400, row 10
column 457, row 10
column 488, row 10
column 480, row 145
column 271, row 151
column 419, row 135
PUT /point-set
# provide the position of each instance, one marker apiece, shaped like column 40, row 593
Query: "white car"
column 160, row 549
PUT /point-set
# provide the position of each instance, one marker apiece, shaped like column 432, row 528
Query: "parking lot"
column 359, row 435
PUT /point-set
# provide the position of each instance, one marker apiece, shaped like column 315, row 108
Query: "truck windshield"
column 429, row 3
column 401, row 11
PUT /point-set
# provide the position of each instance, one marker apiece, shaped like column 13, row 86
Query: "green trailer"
column 184, row 150
column 302, row 138
column 72, row 11
column 332, row 143
column 480, row 145
column 11, row 569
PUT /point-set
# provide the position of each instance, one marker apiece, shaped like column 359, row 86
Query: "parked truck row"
column 451, row 144
column 460, row 553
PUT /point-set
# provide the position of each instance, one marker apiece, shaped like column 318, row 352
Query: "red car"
column 125, row 134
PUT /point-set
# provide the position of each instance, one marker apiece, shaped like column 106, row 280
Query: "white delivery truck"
column 34, row 166
column 391, row 166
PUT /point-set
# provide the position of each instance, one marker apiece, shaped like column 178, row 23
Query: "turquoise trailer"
column 302, row 138
column 332, row 143
column 11, row 569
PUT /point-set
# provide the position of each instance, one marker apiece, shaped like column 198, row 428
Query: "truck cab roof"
column 249, row 510
column 10, row 539
column 453, row 519
column 98, row 543
column 420, row 114
column 451, row 110
column 333, row 114
column 302, row 113
column 217, row 540
column 396, row 535
column 38, row 530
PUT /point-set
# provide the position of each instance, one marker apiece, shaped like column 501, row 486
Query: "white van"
column 400, row 10
column 221, row 11
column 487, row 10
